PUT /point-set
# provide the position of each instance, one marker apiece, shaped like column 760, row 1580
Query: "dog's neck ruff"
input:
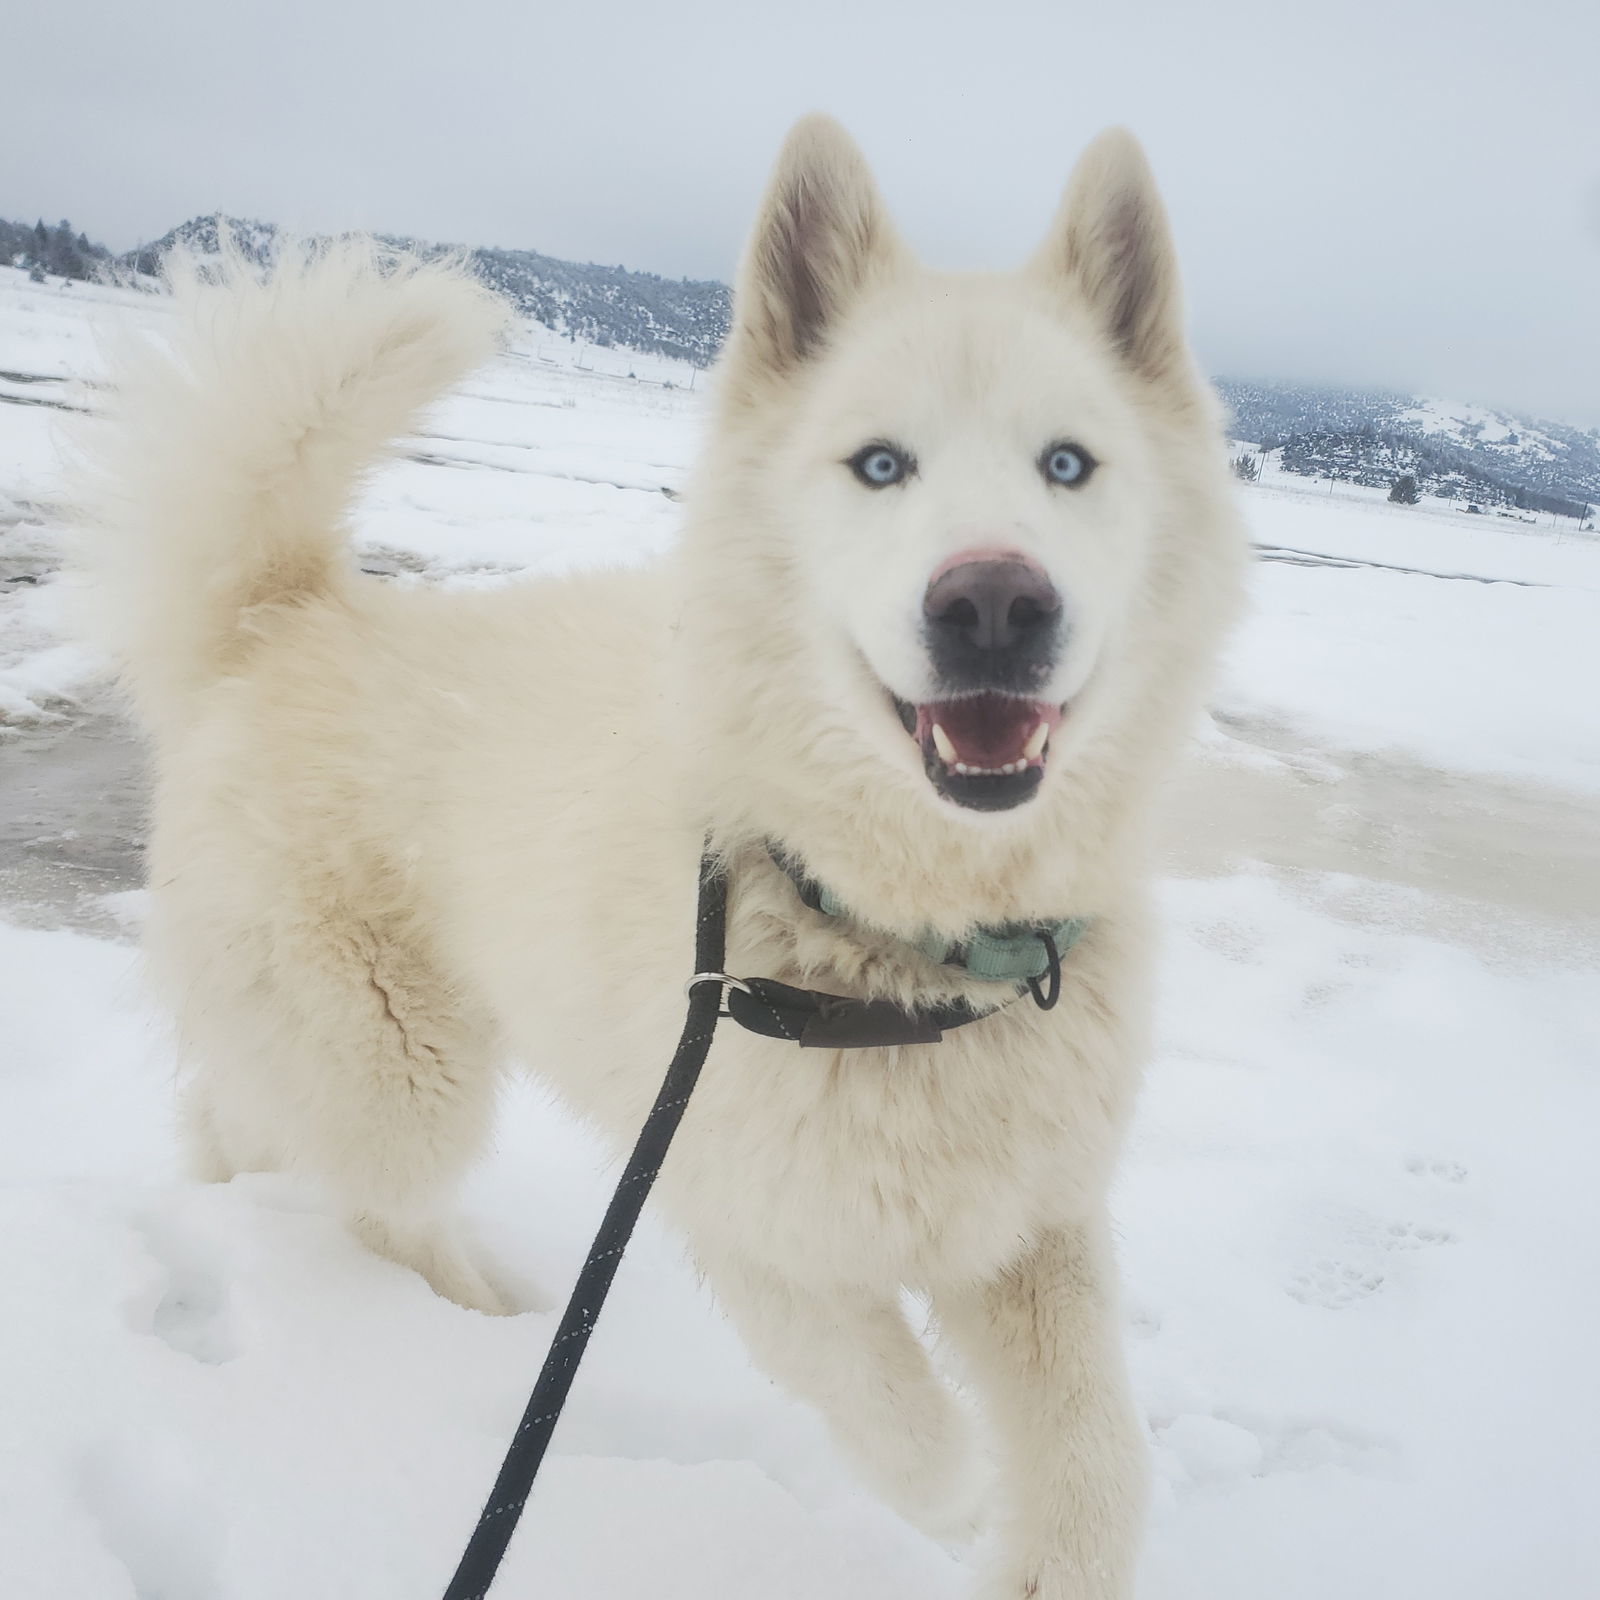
column 1007, row 952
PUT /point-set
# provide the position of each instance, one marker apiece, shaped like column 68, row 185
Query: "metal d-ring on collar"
column 1053, row 956
column 726, row 979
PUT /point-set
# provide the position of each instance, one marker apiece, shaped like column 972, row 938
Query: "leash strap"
column 487, row 1547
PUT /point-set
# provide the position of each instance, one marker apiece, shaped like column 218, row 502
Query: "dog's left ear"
column 1111, row 243
column 821, row 236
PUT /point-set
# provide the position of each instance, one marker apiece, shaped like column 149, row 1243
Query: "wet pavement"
column 1509, row 868
column 72, row 810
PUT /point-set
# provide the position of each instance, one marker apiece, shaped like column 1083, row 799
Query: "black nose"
column 993, row 624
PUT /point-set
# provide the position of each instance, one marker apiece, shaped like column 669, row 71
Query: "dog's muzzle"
column 995, row 629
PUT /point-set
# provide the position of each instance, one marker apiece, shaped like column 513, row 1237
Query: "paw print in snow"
column 1443, row 1171
column 1358, row 1265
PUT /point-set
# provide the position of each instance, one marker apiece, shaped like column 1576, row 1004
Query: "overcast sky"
column 1379, row 193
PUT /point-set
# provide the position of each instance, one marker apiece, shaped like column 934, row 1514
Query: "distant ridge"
column 1454, row 450
column 1466, row 452
column 681, row 319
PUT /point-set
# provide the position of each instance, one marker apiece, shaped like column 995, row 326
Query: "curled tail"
column 218, row 476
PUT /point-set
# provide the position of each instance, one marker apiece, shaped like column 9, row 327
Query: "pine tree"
column 1404, row 492
column 63, row 258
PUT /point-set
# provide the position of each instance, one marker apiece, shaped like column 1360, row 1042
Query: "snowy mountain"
column 681, row 319
column 1454, row 450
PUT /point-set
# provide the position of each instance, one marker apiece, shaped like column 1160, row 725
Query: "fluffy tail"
column 220, row 472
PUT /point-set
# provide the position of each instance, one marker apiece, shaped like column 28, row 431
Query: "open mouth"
column 984, row 751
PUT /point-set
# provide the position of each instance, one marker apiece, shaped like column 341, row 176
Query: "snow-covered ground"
column 1273, row 476
column 1356, row 1222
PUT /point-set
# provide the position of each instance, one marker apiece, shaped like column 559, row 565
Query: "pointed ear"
column 821, row 236
column 1110, row 242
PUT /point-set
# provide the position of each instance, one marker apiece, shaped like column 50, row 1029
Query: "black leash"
column 779, row 1011
column 487, row 1546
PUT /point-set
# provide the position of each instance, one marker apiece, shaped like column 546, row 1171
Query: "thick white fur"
column 399, row 834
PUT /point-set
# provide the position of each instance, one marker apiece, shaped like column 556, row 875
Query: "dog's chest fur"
column 925, row 1163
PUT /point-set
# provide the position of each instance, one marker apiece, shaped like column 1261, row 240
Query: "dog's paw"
column 942, row 1485
column 458, row 1279
column 465, row 1271
column 960, row 1516
column 444, row 1262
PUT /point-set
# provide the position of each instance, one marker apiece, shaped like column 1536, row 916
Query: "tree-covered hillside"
column 42, row 249
column 1455, row 450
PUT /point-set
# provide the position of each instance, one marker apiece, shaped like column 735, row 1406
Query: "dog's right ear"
column 821, row 236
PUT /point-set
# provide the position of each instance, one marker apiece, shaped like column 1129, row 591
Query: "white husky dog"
column 955, row 562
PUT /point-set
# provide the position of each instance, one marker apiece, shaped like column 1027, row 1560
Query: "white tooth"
column 1034, row 748
column 941, row 743
column 961, row 767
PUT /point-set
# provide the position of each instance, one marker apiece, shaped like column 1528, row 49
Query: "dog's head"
column 957, row 495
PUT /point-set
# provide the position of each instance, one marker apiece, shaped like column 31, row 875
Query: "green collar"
column 1007, row 952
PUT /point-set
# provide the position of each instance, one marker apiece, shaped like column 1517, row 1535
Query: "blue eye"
column 879, row 465
column 1067, row 464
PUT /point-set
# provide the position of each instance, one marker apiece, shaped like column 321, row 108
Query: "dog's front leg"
column 850, row 1352
column 1041, row 1344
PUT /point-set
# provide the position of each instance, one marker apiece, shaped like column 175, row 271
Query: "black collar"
column 813, row 1019
column 817, row 1021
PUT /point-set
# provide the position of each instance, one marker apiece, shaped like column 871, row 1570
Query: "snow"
column 1463, row 423
column 1355, row 1220
column 1476, row 676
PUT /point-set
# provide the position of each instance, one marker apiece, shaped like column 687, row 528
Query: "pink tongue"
column 987, row 730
